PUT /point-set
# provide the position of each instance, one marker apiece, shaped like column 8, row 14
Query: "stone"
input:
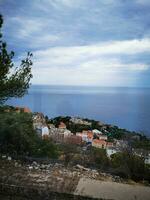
column 9, row 158
column 3, row 156
column 34, row 163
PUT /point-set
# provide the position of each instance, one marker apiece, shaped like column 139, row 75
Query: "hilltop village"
column 89, row 133
column 43, row 156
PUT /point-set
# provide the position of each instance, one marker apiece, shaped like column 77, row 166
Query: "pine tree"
column 14, row 81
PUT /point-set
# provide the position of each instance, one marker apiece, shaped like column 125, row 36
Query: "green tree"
column 131, row 166
column 17, row 137
column 14, row 81
column 100, row 158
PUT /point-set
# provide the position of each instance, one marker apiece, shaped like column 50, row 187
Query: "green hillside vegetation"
column 17, row 137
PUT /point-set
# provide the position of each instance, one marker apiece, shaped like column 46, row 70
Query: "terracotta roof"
column 27, row 110
column 24, row 109
column 96, row 141
column 62, row 125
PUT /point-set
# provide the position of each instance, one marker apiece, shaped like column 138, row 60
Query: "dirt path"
column 111, row 190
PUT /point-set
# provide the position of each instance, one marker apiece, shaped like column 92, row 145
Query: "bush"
column 99, row 157
column 130, row 166
column 16, row 133
column 17, row 136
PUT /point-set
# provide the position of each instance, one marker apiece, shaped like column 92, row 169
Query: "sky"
column 81, row 42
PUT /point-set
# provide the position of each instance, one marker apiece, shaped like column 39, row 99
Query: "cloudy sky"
column 81, row 42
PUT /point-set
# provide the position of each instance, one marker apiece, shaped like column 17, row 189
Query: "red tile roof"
column 96, row 141
column 62, row 125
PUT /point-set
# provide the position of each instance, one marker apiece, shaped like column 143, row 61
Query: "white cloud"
column 34, row 32
column 143, row 2
column 112, row 47
column 66, row 3
column 66, row 56
column 27, row 26
column 97, row 64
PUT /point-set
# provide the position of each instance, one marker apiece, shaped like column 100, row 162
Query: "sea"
column 127, row 108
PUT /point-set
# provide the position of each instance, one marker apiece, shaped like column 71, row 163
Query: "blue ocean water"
column 125, row 107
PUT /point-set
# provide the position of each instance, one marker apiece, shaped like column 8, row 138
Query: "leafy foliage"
column 100, row 157
column 143, row 143
column 17, row 137
column 131, row 166
column 14, row 81
column 117, row 132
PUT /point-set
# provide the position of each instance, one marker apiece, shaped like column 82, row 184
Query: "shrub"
column 17, row 136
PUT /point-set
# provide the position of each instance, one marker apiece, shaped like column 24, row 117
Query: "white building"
column 111, row 151
column 45, row 132
column 103, row 137
column 95, row 131
column 67, row 133
column 77, row 120
column 147, row 160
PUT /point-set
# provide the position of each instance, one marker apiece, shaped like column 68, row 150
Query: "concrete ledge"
column 25, row 193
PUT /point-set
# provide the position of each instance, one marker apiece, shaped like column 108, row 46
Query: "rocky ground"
column 49, row 176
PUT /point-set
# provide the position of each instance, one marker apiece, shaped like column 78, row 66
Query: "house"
column 103, row 137
column 99, row 143
column 111, row 151
column 97, row 132
column 59, row 134
column 110, row 144
column 77, row 120
column 79, row 134
column 135, row 137
column 53, row 130
column 22, row 109
column 90, row 134
column 104, row 127
column 145, row 154
column 45, row 132
column 100, row 123
column 87, row 136
column 73, row 139
column 67, row 133
column 84, row 137
column 38, row 122
column 102, row 144
column 51, row 126
column 56, row 137
column 147, row 160
column 122, row 144
column 26, row 110
column 62, row 125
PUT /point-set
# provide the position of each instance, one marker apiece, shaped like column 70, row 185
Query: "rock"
column 82, row 168
column 43, row 166
column 30, row 167
column 34, row 163
column 36, row 167
column 3, row 156
column 49, row 166
column 9, row 158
